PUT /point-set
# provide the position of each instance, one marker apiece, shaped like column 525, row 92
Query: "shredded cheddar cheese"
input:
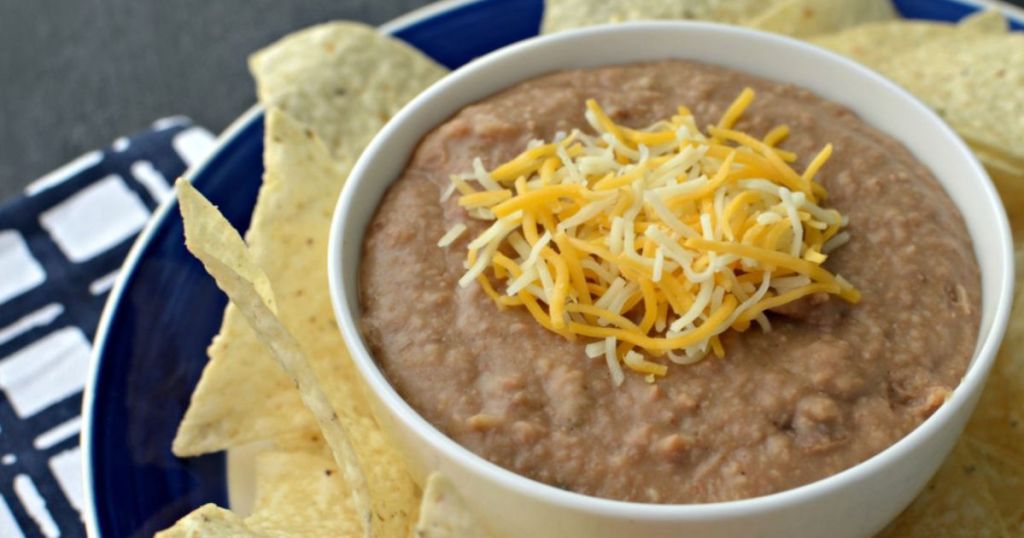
column 652, row 242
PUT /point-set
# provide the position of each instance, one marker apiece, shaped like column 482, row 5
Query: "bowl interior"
column 876, row 100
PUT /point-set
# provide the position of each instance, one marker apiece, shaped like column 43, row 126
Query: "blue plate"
column 151, row 344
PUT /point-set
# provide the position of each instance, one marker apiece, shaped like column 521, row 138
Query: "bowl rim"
column 969, row 386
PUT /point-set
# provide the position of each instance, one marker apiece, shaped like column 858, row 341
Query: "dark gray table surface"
column 76, row 74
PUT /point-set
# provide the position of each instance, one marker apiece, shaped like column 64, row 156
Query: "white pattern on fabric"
column 103, row 284
column 61, row 174
column 152, row 179
column 45, row 372
column 35, row 505
column 39, row 318
column 95, row 219
column 171, row 122
column 193, row 144
column 8, row 525
column 61, row 247
column 58, row 433
column 67, row 467
column 21, row 272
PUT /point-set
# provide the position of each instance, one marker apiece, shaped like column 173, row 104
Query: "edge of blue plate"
column 231, row 137
column 425, row 28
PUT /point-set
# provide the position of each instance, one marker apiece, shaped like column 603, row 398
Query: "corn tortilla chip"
column 210, row 237
column 443, row 514
column 292, row 215
column 975, row 85
column 805, row 18
column 302, row 493
column 299, row 494
column 1008, row 178
column 1004, row 472
column 989, row 21
column 299, row 282
column 304, row 72
column 342, row 79
column 999, row 417
column 873, row 44
column 567, row 14
column 210, row 521
column 955, row 503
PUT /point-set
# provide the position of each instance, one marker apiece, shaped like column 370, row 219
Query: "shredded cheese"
column 652, row 242
column 451, row 235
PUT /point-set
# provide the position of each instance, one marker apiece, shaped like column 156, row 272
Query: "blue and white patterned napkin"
column 61, row 245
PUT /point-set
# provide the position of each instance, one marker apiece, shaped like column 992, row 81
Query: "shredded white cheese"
column 653, row 242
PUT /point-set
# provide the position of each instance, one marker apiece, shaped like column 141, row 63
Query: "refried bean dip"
column 829, row 386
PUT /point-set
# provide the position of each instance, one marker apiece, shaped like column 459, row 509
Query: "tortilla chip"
column 304, row 73
column 875, row 43
column 393, row 492
column 299, row 188
column 1008, row 178
column 209, row 521
column 342, row 79
column 989, row 21
column 299, row 493
column 443, row 514
column 567, row 14
column 212, row 240
column 1004, row 472
column 975, row 85
column 999, row 418
column 956, row 502
column 804, row 18
column 302, row 494
column 292, row 215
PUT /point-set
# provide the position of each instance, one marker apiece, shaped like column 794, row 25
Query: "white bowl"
column 856, row 502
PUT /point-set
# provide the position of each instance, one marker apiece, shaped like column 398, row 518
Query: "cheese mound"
column 658, row 239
